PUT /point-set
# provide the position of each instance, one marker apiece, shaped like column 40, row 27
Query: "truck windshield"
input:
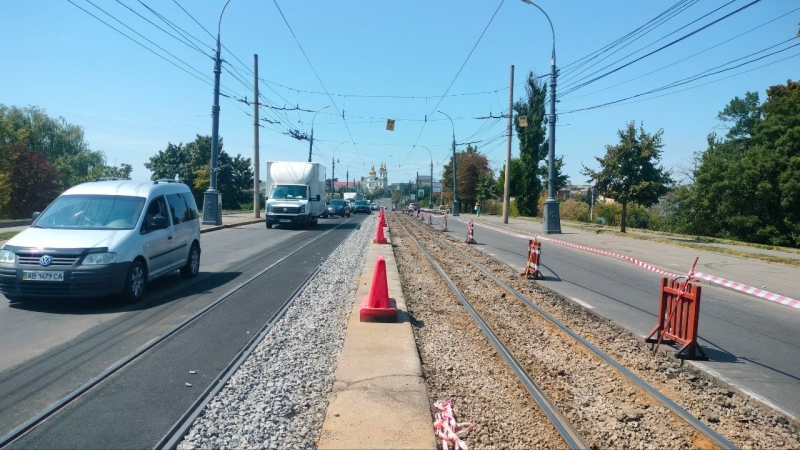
column 92, row 212
column 282, row 192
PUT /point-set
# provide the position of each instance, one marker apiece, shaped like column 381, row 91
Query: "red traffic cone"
column 379, row 237
column 377, row 306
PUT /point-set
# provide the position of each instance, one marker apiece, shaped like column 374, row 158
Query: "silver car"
column 106, row 237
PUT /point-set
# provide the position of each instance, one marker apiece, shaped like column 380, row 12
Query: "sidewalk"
column 778, row 278
column 228, row 221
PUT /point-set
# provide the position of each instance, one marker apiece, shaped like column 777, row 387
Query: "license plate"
column 286, row 220
column 42, row 276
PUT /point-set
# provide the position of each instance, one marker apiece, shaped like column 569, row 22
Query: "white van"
column 106, row 237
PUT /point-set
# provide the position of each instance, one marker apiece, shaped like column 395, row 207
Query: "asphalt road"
column 137, row 405
column 753, row 345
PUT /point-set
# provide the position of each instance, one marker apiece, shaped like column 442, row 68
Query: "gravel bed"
column 574, row 381
column 278, row 397
column 460, row 364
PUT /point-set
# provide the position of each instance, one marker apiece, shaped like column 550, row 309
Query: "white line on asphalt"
column 582, row 303
column 745, row 391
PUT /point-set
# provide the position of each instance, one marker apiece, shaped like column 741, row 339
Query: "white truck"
column 295, row 193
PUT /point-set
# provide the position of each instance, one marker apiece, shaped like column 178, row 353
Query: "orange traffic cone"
column 377, row 306
column 379, row 237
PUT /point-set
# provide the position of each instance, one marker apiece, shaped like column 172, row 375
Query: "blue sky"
column 132, row 103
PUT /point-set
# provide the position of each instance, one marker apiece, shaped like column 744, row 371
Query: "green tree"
column 515, row 184
column 28, row 181
column 532, row 143
column 630, row 171
column 472, row 165
column 561, row 177
column 487, row 187
column 190, row 163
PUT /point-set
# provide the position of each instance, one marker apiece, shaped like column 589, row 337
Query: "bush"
column 574, row 210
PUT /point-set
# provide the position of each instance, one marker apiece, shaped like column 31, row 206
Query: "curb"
column 230, row 225
column 379, row 398
column 16, row 223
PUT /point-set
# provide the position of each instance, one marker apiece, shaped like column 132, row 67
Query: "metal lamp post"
column 212, row 198
column 456, row 209
column 430, row 204
column 551, row 223
column 311, row 141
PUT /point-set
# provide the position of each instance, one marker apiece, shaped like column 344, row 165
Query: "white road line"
column 581, row 302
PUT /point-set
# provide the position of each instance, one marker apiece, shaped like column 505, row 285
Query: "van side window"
column 191, row 206
column 156, row 208
column 177, row 208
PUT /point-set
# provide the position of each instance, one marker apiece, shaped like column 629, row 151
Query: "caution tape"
column 447, row 429
column 740, row 287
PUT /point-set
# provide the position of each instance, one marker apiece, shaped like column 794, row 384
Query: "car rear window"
column 337, row 202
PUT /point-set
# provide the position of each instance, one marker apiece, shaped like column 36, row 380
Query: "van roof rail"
column 165, row 180
column 110, row 179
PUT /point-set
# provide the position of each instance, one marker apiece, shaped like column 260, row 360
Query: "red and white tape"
column 741, row 287
column 447, row 429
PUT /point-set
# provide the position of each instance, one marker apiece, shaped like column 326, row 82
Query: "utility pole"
column 430, row 204
column 507, row 184
column 256, row 184
column 311, row 140
column 416, row 188
column 333, row 168
column 347, row 180
column 212, row 198
column 591, row 204
column 456, row 209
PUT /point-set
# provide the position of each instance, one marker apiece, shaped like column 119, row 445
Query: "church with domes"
column 375, row 181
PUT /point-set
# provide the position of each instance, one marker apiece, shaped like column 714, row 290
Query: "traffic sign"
column 390, row 124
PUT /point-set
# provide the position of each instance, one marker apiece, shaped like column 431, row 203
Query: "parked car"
column 362, row 206
column 106, row 237
column 414, row 206
column 339, row 208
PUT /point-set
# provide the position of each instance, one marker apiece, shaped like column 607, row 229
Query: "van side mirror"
column 157, row 223
column 317, row 197
column 35, row 215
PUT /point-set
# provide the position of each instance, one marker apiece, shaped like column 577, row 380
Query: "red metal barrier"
column 534, row 255
column 678, row 315
column 470, row 234
column 444, row 223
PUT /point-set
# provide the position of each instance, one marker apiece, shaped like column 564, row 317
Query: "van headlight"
column 269, row 208
column 97, row 259
column 7, row 256
column 303, row 208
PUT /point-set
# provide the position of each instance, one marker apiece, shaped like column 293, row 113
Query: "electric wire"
column 599, row 77
column 683, row 59
column 175, row 27
column 575, row 81
column 185, row 42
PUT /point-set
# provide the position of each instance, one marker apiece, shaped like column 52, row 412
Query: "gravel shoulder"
column 278, row 397
column 610, row 412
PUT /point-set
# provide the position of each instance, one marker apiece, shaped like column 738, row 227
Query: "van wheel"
column 135, row 283
column 192, row 267
column 269, row 225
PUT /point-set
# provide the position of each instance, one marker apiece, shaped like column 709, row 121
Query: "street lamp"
column 430, row 205
column 456, row 209
column 212, row 198
column 552, row 221
column 333, row 168
column 311, row 141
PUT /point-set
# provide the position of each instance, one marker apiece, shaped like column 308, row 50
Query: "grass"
column 7, row 234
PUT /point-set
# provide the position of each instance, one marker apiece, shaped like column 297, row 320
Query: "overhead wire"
column 568, row 83
column 181, row 40
column 686, row 36
column 175, row 27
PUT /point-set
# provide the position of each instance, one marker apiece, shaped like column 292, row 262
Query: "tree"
column 561, row 177
column 486, row 187
column 471, row 166
column 28, row 181
column 532, row 144
column 190, row 163
column 515, row 185
column 629, row 173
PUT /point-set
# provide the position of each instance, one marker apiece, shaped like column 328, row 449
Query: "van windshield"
column 283, row 192
column 92, row 212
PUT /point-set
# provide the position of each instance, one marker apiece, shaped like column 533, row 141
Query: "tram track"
column 182, row 424
column 587, row 387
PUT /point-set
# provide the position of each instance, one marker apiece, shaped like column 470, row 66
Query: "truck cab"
column 294, row 193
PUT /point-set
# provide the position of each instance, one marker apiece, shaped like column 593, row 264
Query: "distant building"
column 424, row 181
column 375, row 181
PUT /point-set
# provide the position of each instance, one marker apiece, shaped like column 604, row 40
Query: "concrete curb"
column 379, row 398
column 230, row 225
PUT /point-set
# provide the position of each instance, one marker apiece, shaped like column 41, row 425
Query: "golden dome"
column 372, row 172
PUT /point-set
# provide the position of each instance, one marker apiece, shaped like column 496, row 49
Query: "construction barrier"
column 534, row 256
column 678, row 316
column 444, row 223
column 378, row 306
column 741, row 287
column 470, row 234
column 430, row 218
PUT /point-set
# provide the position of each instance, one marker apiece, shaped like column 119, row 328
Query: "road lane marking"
column 581, row 302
